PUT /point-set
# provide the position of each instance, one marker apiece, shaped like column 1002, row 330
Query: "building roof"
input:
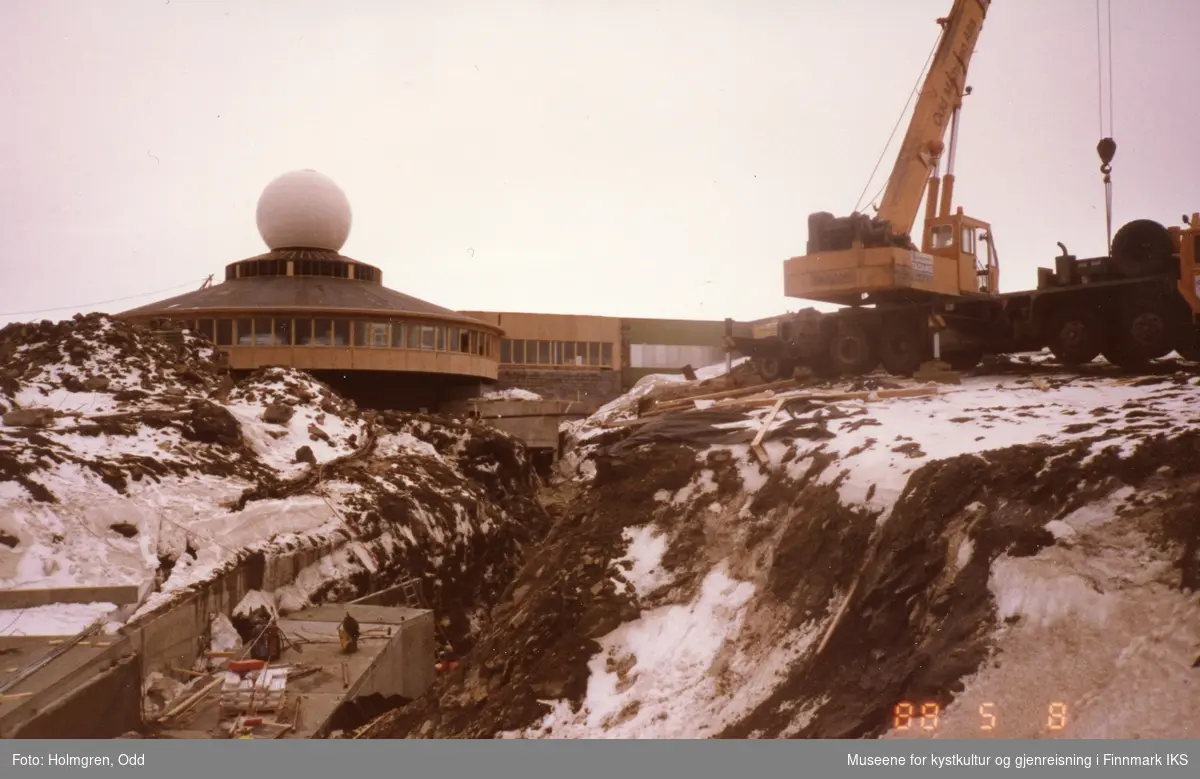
column 308, row 294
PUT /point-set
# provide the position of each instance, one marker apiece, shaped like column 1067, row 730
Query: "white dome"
column 303, row 209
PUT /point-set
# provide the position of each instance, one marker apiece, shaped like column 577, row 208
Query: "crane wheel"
column 1145, row 331
column 1142, row 247
column 1075, row 337
column 1188, row 344
column 902, row 347
column 852, row 352
column 773, row 368
column 964, row 360
column 1118, row 354
column 1190, row 351
column 1148, row 332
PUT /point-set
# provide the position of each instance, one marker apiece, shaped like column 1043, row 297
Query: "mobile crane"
column 906, row 304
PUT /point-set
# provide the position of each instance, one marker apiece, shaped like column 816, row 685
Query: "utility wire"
column 1110, row 72
column 915, row 91
column 1100, row 62
column 1099, row 71
column 102, row 302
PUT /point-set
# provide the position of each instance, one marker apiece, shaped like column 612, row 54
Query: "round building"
column 303, row 304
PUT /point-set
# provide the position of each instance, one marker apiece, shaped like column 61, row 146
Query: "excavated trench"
column 906, row 618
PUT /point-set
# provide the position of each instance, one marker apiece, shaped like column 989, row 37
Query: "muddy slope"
column 918, row 619
column 916, row 625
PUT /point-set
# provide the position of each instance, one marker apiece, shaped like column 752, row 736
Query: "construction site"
column 934, row 510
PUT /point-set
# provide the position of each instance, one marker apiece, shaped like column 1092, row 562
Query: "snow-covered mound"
column 1014, row 554
column 126, row 458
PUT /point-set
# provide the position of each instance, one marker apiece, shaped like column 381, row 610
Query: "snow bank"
column 59, row 619
column 127, row 459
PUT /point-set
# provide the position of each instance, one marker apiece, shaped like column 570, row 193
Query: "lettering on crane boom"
column 952, row 89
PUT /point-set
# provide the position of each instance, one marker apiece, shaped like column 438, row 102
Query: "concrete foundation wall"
column 107, row 707
column 592, row 388
column 176, row 637
column 534, row 422
column 65, row 681
column 405, row 668
column 282, row 569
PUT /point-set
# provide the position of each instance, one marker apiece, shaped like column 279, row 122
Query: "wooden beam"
column 756, row 445
column 741, row 391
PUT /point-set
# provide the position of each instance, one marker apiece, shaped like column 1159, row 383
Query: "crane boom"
column 940, row 97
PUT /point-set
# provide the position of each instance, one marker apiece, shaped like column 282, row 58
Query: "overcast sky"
column 600, row 156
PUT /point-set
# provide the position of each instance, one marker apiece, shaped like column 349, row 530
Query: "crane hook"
column 1107, row 149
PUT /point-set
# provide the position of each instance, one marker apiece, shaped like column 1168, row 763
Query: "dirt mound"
column 126, row 456
column 688, row 591
column 920, row 619
column 68, row 364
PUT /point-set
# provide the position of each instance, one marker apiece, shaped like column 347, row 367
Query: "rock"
column 551, row 689
column 30, row 417
column 96, row 383
column 125, row 395
column 124, row 528
column 278, row 414
column 213, row 424
column 305, row 455
column 599, row 621
column 317, row 434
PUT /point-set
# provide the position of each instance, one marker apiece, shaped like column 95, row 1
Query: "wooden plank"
column 869, row 396
column 733, row 393
column 756, row 445
column 192, row 701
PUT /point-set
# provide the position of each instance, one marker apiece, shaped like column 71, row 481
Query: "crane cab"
column 964, row 255
column 853, row 261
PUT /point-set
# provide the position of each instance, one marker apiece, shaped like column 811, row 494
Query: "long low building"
column 592, row 359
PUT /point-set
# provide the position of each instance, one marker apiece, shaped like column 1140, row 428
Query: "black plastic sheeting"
column 692, row 427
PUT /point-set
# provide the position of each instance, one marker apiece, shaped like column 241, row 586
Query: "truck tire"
column 1189, row 352
column 964, row 360
column 1147, row 330
column 1142, row 247
column 902, row 347
column 773, row 368
column 852, row 353
column 1119, row 355
column 1144, row 330
column 1075, row 336
column 1188, row 344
